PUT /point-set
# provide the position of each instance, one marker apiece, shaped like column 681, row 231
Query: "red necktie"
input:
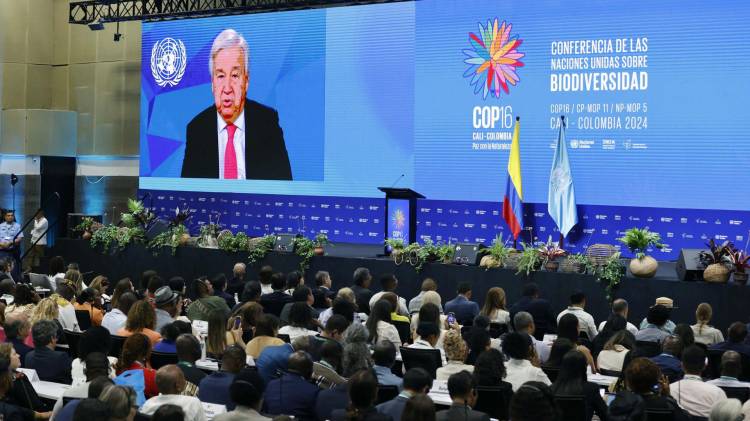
column 230, row 156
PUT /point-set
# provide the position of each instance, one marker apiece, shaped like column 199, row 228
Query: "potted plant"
column 494, row 255
column 610, row 274
column 304, row 248
column 85, row 227
column 575, row 263
column 529, row 261
column 549, row 253
column 716, row 261
column 638, row 241
column 394, row 247
column 321, row 240
column 739, row 260
column 208, row 236
column 259, row 247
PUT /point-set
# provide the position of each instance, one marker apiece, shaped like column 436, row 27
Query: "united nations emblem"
column 560, row 179
column 168, row 62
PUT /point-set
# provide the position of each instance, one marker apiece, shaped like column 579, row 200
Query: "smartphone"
column 451, row 318
column 237, row 322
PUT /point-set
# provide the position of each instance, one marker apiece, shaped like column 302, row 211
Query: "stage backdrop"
column 425, row 94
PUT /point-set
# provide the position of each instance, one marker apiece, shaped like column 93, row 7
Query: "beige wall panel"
column 61, row 43
column 14, row 86
column 85, row 134
column 41, row 31
column 39, row 86
column 60, row 88
column 13, row 132
column 82, row 44
column 133, row 41
column 14, row 24
column 82, row 87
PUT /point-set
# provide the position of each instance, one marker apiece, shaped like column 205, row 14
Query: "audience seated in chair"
column 428, row 334
column 462, row 307
column 379, row 326
column 363, row 389
column 136, row 352
column 654, row 330
column 384, row 357
column 669, row 360
column 141, row 319
column 539, row 308
column 293, row 393
column 585, row 320
column 612, row 356
column 620, row 307
column 731, row 368
column 462, row 391
column 389, row 283
column 519, row 370
column 206, row 303
column 416, row 381
column 93, row 390
column 736, row 335
column 188, row 352
column 524, row 323
column 50, row 365
column 247, row 391
column 692, row 393
column 115, row 320
column 171, row 384
column 361, row 289
column 571, row 382
column 214, row 388
column 428, row 284
column 534, row 401
column 456, row 352
column 96, row 339
column 96, row 368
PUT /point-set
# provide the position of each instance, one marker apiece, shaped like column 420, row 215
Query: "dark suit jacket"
column 541, row 311
column 291, row 394
column 331, row 399
column 464, row 310
column 363, row 296
column 394, row 407
column 274, row 302
column 235, row 286
column 266, row 157
column 51, row 366
column 459, row 412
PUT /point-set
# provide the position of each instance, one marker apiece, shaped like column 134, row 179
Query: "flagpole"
column 562, row 239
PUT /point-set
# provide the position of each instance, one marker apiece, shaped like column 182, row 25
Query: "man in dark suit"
column 274, row 302
column 361, row 288
column 540, row 309
column 416, row 381
column 236, row 138
column 462, row 307
column 322, row 291
column 50, row 365
column 237, row 283
column 293, row 393
column 463, row 394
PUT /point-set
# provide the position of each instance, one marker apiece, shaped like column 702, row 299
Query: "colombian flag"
column 513, row 198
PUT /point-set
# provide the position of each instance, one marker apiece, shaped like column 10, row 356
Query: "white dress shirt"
column 239, row 143
column 189, row 404
column 40, row 226
column 67, row 318
column 114, row 321
column 265, row 288
column 388, row 332
column 585, row 321
column 707, row 335
column 695, row 396
column 629, row 327
column 518, row 372
column 612, row 359
column 77, row 368
column 500, row 316
column 402, row 309
column 542, row 349
column 423, row 344
column 451, row 368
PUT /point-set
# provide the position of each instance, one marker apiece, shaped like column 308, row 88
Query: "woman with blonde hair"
column 141, row 319
column 101, row 284
column 494, row 306
column 64, row 297
column 73, row 276
column 704, row 333
column 429, row 297
column 456, row 352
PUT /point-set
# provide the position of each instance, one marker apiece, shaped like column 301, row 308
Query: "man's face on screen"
column 229, row 83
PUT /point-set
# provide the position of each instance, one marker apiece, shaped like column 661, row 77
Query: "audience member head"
column 731, row 364
column 495, row 300
column 727, row 410
column 489, row 369
column 250, row 313
column 126, row 301
column 169, row 412
column 572, row 375
column 44, row 333
column 455, row 346
column 217, row 332
column 154, row 283
column 56, row 265
column 267, row 325
column 141, row 316
column 188, row 348
column 560, row 347
column 136, row 348
column 47, row 309
column 578, row 299
column 247, row 389
column 381, row 311
column 170, row 380
column 323, row 279
column 624, row 338
column 97, row 386
column 384, row 354
column 166, row 299
column 251, row 292
column 219, row 282
column 693, row 360
column 620, row 306
column 703, row 315
column 530, row 290
column 278, row 281
column 642, row 375
column 303, row 294
column 356, row 355
column 346, row 293
column 658, row 315
column 517, row 346
column 567, row 327
column 363, row 389
column 300, row 315
column 24, row 295
column 97, row 365
column 169, row 333
column 301, row 364
column 121, row 287
column 67, row 291
column 265, row 274
column 7, row 287
column 233, row 359
column 686, row 334
column 419, row 408
column 431, row 297
column 479, row 341
column 203, row 288
column 615, row 323
column 177, row 284
column 534, row 401
column 429, row 332
column 91, row 409
column 737, row 332
column 388, row 282
column 294, row 279
column 146, row 276
column 461, row 388
column 17, row 327
column 182, row 327
column 87, row 295
column 464, row 288
column 392, row 298
column 417, row 380
column 332, row 352
column 94, row 339
column 429, row 313
column 523, row 322
column 343, row 307
column 335, row 327
column 238, row 270
column 362, row 277
column 121, row 401
column 429, row 284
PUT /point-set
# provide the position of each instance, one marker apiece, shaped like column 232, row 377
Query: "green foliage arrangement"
column 718, row 253
column 550, row 252
column 86, row 225
column 321, row 239
column 530, row 260
column 583, row 261
column 170, row 238
column 109, row 236
column 208, row 235
column 261, row 248
column 234, row 243
column 304, row 248
column 395, row 243
column 610, row 274
column 638, row 241
column 497, row 250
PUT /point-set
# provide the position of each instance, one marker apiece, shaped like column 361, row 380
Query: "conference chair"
column 658, row 414
column 551, row 372
column 160, row 359
column 386, row 393
column 404, row 331
column 573, row 408
column 139, row 416
column 72, row 338
column 428, row 359
column 647, row 349
column 494, row 400
column 116, row 346
column 324, row 377
column 583, row 339
column 497, row 330
column 612, row 373
column 713, row 369
column 284, row 338
column 84, row 319
column 740, row 393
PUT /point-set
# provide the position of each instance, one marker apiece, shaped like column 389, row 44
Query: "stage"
column 729, row 301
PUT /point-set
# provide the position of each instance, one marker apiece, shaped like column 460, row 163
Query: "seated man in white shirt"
column 524, row 323
column 731, row 368
column 389, row 284
column 115, row 319
column 585, row 320
column 691, row 393
column 519, row 370
column 428, row 337
column 171, row 383
column 620, row 306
